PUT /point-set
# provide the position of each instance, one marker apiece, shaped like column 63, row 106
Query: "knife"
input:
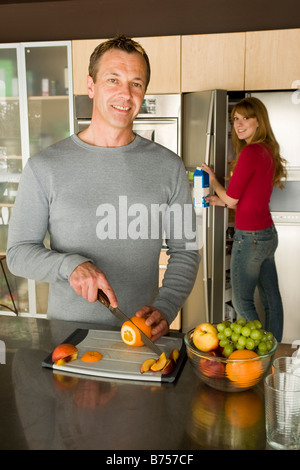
column 103, row 299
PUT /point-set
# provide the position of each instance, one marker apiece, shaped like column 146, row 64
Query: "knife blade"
column 103, row 299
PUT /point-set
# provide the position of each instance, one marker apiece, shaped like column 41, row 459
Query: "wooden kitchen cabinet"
column 213, row 61
column 81, row 51
column 164, row 55
column 272, row 60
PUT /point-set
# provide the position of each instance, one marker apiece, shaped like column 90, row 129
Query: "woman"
column 257, row 168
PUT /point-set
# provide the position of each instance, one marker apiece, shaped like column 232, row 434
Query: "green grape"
column 241, row 321
column 250, row 325
column 257, row 324
column 223, row 342
column 256, row 334
column 250, row 343
column 235, row 336
column 242, row 341
column 237, row 328
column 228, row 331
column 269, row 345
column 269, row 336
column 221, row 327
column 228, row 349
column 240, row 346
column 262, row 348
column 246, row 331
column 232, row 326
column 221, row 335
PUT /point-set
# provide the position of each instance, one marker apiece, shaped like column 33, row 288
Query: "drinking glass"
column 282, row 410
column 290, row 365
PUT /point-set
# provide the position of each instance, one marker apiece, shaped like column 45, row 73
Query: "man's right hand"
column 86, row 279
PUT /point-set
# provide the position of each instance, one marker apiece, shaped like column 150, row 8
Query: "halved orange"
column 91, row 356
column 131, row 335
column 246, row 371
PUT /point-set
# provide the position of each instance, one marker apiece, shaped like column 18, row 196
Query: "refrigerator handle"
column 206, row 211
column 209, row 128
column 205, row 263
column 208, row 137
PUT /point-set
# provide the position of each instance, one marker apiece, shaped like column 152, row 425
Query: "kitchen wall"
column 41, row 20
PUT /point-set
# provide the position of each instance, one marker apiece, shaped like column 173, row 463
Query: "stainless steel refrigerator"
column 205, row 139
column 206, row 136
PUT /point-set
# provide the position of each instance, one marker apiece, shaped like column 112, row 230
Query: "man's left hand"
column 155, row 319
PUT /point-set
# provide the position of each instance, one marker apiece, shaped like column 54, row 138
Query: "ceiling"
column 42, row 20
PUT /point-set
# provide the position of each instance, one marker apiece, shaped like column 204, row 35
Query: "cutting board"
column 119, row 360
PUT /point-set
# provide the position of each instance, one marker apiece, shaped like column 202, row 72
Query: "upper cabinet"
column 272, row 60
column 164, row 56
column 81, row 51
column 263, row 60
column 213, row 61
column 165, row 61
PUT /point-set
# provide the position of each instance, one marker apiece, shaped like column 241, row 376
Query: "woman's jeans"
column 253, row 264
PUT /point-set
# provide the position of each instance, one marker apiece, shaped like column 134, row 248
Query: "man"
column 96, row 193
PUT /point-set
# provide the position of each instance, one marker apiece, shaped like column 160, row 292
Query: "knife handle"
column 103, row 298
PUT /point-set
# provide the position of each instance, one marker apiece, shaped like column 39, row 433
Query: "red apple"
column 64, row 353
column 212, row 368
column 205, row 337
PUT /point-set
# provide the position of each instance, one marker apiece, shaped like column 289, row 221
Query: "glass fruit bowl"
column 228, row 375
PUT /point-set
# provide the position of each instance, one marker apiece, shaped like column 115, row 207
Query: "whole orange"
column 245, row 371
column 131, row 335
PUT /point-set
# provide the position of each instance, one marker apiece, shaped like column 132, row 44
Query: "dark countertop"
column 39, row 410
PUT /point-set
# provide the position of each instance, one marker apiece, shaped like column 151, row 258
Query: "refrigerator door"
column 204, row 139
column 284, row 113
column 219, row 214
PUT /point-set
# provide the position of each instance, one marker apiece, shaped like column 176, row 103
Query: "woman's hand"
column 210, row 172
column 221, row 199
column 214, row 201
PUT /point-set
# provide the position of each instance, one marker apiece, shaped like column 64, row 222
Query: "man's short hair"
column 121, row 43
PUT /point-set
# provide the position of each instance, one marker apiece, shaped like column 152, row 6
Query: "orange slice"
column 91, row 356
column 131, row 335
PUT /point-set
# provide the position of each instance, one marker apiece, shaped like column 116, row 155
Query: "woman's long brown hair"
column 253, row 107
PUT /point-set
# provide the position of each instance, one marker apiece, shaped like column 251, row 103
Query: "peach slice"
column 174, row 355
column 147, row 364
column 64, row 353
column 169, row 367
column 160, row 363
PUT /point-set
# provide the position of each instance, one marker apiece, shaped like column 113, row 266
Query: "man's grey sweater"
column 99, row 204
